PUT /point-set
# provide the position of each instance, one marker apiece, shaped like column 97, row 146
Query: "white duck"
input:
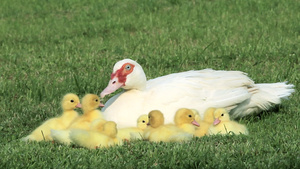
column 199, row 90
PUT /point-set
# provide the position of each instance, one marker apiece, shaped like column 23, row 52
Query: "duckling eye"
column 222, row 114
column 128, row 67
column 143, row 121
column 72, row 101
column 190, row 115
column 96, row 100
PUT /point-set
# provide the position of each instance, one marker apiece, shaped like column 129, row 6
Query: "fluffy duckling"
column 95, row 139
column 223, row 125
column 157, row 131
column 69, row 102
column 185, row 120
column 134, row 132
column 90, row 103
column 207, row 121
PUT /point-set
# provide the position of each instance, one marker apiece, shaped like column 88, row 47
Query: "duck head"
column 156, row 118
column 98, row 124
column 110, row 129
column 70, row 101
column 197, row 116
column 184, row 115
column 220, row 115
column 209, row 115
column 127, row 74
column 142, row 121
column 90, row 102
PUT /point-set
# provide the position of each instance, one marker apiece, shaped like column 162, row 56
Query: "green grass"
column 50, row 48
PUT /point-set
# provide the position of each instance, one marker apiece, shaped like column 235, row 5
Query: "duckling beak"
column 217, row 121
column 112, row 86
column 195, row 123
column 78, row 105
column 101, row 105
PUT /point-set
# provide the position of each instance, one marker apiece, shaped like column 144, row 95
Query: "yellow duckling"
column 134, row 132
column 157, row 131
column 69, row 103
column 207, row 121
column 90, row 103
column 223, row 125
column 185, row 120
column 96, row 139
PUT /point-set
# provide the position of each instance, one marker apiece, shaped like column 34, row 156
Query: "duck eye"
column 190, row 115
column 222, row 114
column 96, row 100
column 72, row 101
column 143, row 121
column 128, row 67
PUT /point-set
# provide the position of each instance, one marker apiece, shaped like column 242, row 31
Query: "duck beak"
column 195, row 123
column 101, row 105
column 217, row 121
column 78, row 105
column 112, row 86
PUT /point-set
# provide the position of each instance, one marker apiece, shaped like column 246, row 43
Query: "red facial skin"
column 122, row 73
column 118, row 79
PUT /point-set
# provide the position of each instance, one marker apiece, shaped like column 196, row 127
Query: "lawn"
column 50, row 48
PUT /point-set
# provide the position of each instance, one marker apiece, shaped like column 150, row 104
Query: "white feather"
column 61, row 136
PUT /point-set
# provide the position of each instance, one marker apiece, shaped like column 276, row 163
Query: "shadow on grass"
column 263, row 115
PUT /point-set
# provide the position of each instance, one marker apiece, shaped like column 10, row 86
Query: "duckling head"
column 70, row 101
column 197, row 116
column 185, row 115
column 98, row 124
column 220, row 115
column 209, row 115
column 90, row 102
column 142, row 121
column 156, row 118
column 110, row 129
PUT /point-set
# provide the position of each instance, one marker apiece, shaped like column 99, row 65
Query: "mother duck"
column 195, row 89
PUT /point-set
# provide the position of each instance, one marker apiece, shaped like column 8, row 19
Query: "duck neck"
column 137, row 81
column 136, row 87
column 87, row 110
column 68, row 112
